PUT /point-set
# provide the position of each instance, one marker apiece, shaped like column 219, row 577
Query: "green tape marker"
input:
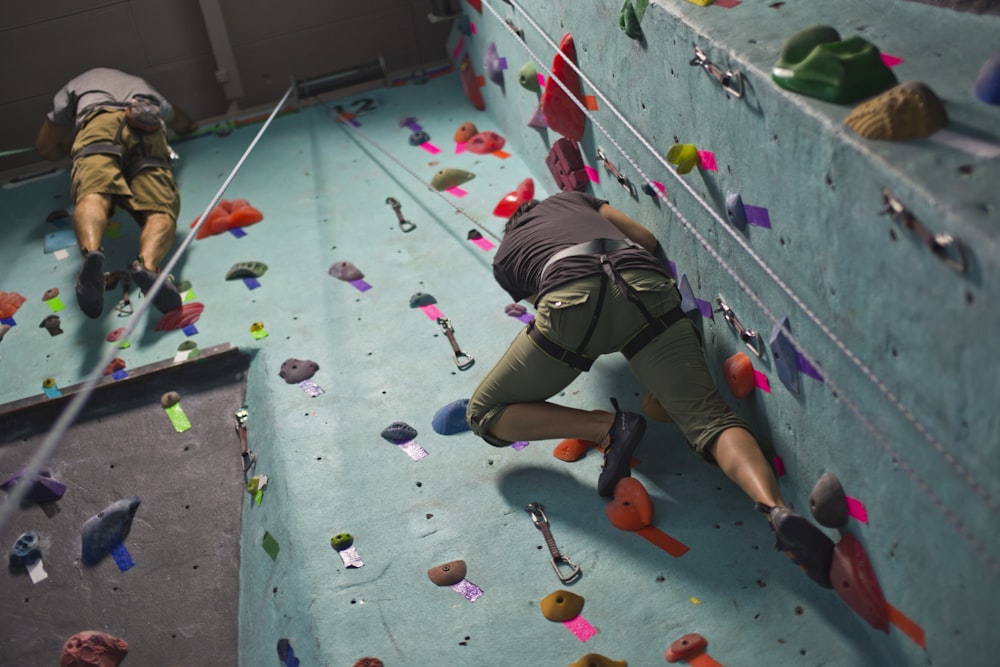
column 56, row 304
column 124, row 344
column 178, row 418
column 188, row 296
column 113, row 231
column 259, row 497
column 271, row 546
column 259, row 333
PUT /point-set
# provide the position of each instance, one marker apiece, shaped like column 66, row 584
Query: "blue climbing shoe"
column 808, row 546
column 623, row 439
column 90, row 285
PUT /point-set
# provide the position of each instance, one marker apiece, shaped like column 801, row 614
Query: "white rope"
column 72, row 410
column 921, row 483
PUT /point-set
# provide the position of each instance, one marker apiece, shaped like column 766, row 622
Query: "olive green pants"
column 672, row 366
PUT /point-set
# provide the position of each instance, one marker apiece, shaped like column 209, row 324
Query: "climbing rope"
column 76, row 404
column 916, row 424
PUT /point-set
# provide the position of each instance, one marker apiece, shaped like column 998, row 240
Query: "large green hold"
column 818, row 63
column 631, row 16
column 527, row 76
column 450, row 178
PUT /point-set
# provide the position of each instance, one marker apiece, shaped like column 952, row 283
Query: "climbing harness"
column 559, row 561
column 115, row 148
column 249, row 458
column 462, row 360
column 750, row 337
column 404, row 224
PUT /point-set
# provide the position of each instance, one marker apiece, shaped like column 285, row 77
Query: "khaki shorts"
column 151, row 190
column 672, row 366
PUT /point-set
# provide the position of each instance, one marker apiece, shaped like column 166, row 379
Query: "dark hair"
column 514, row 219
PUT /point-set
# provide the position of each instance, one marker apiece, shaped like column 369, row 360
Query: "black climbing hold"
column 297, row 370
column 56, row 215
column 107, row 529
column 52, row 324
column 420, row 299
column 399, row 432
column 474, row 235
column 828, row 502
column 246, row 270
column 419, row 137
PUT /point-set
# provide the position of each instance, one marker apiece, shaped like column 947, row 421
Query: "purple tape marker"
column 503, row 63
column 757, row 215
column 432, row 312
column 360, row 285
column 519, row 445
column 237, row 232
column 580, row 627
column 123, row 559
column 467, row 590
column 189, row 330
column 705, row 307
column 414, row 126
column 483, row 243
column 119, row 375
column 527, row 318
column 672, row 269
column 251, row 282
column 856, row 509
column 807, row 368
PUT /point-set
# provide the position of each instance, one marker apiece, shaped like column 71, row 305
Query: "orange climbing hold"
column 228, row 215
column 9, row 303
column 739, row 375
column 561, row 113
column 631, row 508
column 573, row 449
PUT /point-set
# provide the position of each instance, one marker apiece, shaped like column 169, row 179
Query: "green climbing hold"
column 631, row 16
column 527, row 76
column 246, row 270
column 342, row 541
column 817, row 62
column 445, row 179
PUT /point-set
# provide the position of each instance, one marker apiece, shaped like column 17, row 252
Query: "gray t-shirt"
column 97, row 88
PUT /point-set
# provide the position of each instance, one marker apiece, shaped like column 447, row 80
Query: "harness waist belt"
column 595, row 247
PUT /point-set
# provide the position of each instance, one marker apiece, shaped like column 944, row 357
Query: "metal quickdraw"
column 750, row 337
column 462, row 360
column 945, row 246
column 619, row 176
column 249, row 458
column 111, row 280
column 404, row 224
column 537, row 512
column 732, row 82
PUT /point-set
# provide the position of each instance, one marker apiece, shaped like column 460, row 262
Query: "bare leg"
column 741, row 459
column 546, row 421
column 90, row 220
column 156, row 239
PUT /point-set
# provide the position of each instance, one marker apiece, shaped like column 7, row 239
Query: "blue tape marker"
column 251, row 282
column 52, row 392
column 123, row 559
column 291, row 660
column 119, row 375
column 189, row 330
column 237, row 232
column 8, row 321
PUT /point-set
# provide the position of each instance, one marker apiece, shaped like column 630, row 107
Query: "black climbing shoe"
column 623, row 439
column 90, row 285
column 807, row 545
column 167, row 299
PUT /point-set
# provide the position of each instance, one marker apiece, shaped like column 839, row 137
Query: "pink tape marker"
column 727, row 4
column 706, row 160
column 459, row 147
column 580, row 627
column 432, row 312
column 761, row 381
column 592, row 174
column 541, row 80
column 458, row 48
column 856, row 509
column 659, row 186
column 483, row 243
column 779, row 466
column 430, row 148
column 472, row 27
column 890, row 61
column 456, row 191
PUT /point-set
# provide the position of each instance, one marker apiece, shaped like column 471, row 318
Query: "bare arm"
column 54, row 141
column 629, row 227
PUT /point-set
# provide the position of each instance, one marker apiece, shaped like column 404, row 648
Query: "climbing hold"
column 598, row 660
column 684, row 157
column 448, row 574
column 170, row 398
column 4, row 328
column 494, row 64
column 527, row 76
column 465, row 132
column 246, row 270
column 107, row 529
column 573, row 449
column 537, row 119
column 116, row 335
column 345, row 271
column 449, row 178
column 43, row 489
column 9, row 303
column 514, row 309
column 295, row 371
column 50, row 294
column 817, row 62
column 49, row 383
column 93, row 649
column 561, row 113
column 115, row 365
column 785, row 356
column 630, row 18
column 987, row 86
column 561, row 606
column 27, row 550
column 474, row 235
column 399, row 433
column 566, row 165
column 908, row 111
column 855, row 582
column 525, row 192
column 686, row 647
column 342, row 541
column 484, row 143
column 419, row 137
column 735, row 211
column 52, row 324
column 228, row 215
column 451, row 418
column 470, row 83
column 689, row 303
column 369, row 662
column 419, row 300
column 654, row 410
column 828, row 502
column 631, row 508
column 183, row 286
column 187, row 345
column 182, row 317
column 738, row 371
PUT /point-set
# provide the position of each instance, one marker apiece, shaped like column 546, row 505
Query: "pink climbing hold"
column 93, row 649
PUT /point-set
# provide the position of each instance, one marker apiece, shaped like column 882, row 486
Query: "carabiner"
column 732, row 82
column 537, row 512
column 462, row 360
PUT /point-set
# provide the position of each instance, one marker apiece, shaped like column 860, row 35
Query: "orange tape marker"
column 907, row 626
column 656, row 536
column 691, row 649
column 590, row 102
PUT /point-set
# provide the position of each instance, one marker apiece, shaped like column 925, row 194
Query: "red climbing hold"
column 631, row 509
column 178, row 318
column 9, row 303
column 512, row 200
column 560, row 112
column 470, row 83
column 117, row 364
column 686, row 647
column 855, row 582
column 573, row 449
column 226, row 216
column 485, row 143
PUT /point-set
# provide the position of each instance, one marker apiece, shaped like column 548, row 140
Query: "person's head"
column 516, row 217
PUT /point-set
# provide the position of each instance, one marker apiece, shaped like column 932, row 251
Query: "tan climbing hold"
column 169, row 399
column 598, row 660
column 448, row 574
column 908, row 111
column 561, row 605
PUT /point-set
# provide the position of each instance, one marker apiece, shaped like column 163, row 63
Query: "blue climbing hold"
column 107, row 529
column 785, row 357
column 27, row 550
column 399, row 432
column 735, row 211
column 987, row 86
column 451, row 418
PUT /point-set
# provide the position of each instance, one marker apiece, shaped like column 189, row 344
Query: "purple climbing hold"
column 987, row 86
column 828, row 502
column 494, row 64
column 345, row 271
column 399, row 432
column 107, row 529
column 295, row 371
column 419, row 300
column 689, row 303
column 451, row 418
column 26, row 550
column 43, row 489
column 735, row 211
column 537, row 119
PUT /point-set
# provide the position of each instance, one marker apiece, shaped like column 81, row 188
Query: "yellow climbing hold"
column 684, row 156
column 561, row 606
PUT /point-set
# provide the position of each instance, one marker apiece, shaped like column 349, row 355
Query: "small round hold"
column 49, row 383
column 448, row 574
column 170, row 399
column 399, row 432
column 561, row 605
column 369, row 662
column 686, row 647
column 256, row 326
column 50, row 294
column 187, row 345
column 418, row 138
column 828, row 502
column 342, row 541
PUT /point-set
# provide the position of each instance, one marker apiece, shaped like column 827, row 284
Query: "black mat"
column 178, row 605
